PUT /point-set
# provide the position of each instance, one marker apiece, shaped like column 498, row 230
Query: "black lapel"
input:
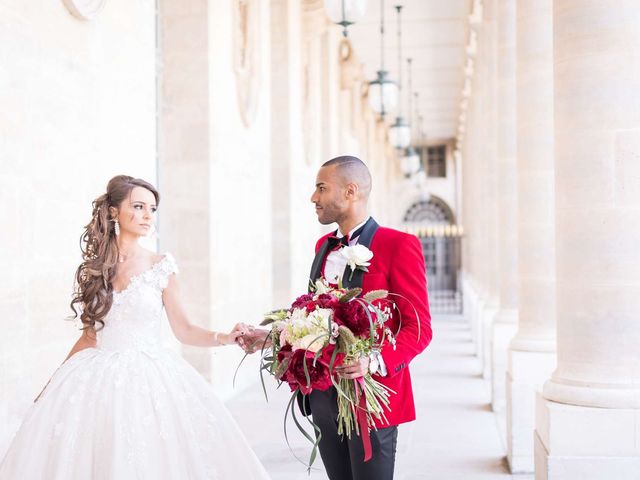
column 365, row 239
column 316, row 267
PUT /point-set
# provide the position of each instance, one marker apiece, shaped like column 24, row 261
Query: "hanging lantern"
column 345, row 12
column 400, row 134
column 410, row 162
column 383, row 94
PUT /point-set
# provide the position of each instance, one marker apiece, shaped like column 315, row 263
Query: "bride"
column 121, row 406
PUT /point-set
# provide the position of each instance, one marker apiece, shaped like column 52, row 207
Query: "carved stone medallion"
column 247, row 51
column 84, row 9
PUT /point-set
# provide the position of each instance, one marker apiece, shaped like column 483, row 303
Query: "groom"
column 341, row 195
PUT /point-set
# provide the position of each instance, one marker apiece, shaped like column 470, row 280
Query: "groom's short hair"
column 352, row 169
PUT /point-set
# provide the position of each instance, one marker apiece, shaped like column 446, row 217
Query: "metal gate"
column 432, row 222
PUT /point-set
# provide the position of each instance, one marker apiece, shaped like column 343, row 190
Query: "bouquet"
column 320, row 331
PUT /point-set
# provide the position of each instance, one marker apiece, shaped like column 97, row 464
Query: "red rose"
column 318, row 373
column 327, row 300
column 327, row 353
column 284, row 353
column 302, row 300
column 354, row 316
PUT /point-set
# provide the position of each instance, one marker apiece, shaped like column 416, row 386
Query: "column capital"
column 314, row 18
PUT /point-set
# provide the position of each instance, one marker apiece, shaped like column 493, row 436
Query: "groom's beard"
column 328, row 213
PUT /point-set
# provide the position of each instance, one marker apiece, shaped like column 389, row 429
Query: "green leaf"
column 306, row 371
column 400, row 313
column 350, row 294
column 346, row 338
column 264, row 387
column 316, row 442
column 274, row 315
column 375, row 295
column 233, row 383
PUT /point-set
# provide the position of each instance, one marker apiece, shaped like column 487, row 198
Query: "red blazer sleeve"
column 408, row 278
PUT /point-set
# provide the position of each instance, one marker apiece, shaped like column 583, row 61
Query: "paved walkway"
column 455, row 437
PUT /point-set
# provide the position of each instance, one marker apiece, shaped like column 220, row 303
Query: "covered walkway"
column 456, row 436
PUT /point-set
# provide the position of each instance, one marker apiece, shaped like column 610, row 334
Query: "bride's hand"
column 232, row 337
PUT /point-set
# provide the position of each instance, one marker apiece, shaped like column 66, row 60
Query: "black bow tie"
column 338, row 242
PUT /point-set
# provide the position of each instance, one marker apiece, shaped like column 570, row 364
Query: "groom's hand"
column 356, row 369
column 253, row 339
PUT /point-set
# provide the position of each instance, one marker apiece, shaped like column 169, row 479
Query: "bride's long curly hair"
column 93, row 292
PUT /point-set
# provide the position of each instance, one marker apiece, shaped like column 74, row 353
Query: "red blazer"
column 398, row 267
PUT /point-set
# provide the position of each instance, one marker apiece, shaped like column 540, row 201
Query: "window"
column 437, row 161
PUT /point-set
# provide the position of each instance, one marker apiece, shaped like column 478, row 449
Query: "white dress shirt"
column 336, row 263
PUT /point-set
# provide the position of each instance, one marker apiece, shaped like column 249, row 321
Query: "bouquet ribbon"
column 362, row 421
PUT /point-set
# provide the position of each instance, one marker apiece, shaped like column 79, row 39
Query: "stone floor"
column 456, row 436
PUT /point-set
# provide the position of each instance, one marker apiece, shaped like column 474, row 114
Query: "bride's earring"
column 117, row 227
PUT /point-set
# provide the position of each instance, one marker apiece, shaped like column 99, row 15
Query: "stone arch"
column 429, row 211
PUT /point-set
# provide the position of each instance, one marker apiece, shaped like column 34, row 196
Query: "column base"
column 526, row 374
column 487, row 317
column 586, row 443
column 504, row 328
column 473, row 304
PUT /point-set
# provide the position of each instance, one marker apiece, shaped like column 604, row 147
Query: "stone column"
column 488, row 184
column 588, row 417
column 331, row 80
column 183, row 157
column 285, row 118
column 505, row 322
column 532, row 350
column 475, row 289
column 470, row 158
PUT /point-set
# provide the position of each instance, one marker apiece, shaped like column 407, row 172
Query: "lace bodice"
column 134, row 321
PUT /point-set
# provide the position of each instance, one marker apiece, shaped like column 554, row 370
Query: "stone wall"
column 79, row 103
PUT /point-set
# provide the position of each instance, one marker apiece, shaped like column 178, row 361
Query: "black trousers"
column 343, row 458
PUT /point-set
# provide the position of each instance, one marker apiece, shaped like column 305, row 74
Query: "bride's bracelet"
column 216, row 340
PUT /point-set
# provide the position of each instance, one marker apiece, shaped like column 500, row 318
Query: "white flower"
column 322, row 286
column 310, row 342
column 278, row 325
column 320, row 316
column 307, row 330
column 357, row 256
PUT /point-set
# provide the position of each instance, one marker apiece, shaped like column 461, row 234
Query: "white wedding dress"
column 129, row 408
